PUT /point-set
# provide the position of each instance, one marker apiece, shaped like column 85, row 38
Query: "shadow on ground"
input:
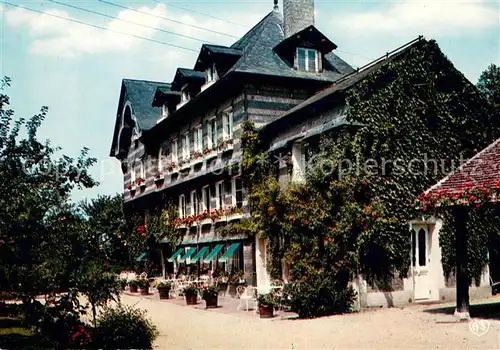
column 14, row 336
column 484, row 310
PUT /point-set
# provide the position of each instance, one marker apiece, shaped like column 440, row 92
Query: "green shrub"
column 191, row 291
column 124, row 327
column 266, row 300
column 319, row 294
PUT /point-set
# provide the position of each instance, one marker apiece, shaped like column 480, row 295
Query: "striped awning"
column 200, row 254
column 213, row 253
column 176, row 254
column 142, row 256
column 229, row 252
column 188, row 254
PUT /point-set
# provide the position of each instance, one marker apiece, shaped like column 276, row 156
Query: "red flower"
column 306, row 222
column 365, row 228
column 105, row 265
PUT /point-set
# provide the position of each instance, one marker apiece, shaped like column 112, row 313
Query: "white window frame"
column 227, row 124
column 175, row 150
column 198, row 138
column 182, row 206
column 212, row 136
column 132, row 174
column 160, row 159
column 306, row 59
column 143, row 170
column 185, row 96
column 219, row 195
column 185, row 146
column 205, row 198
column 164, row 111
column 210, row 74
column 194, row 203
column 233, row 191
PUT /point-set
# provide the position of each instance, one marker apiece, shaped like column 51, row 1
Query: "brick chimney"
column 297, row 15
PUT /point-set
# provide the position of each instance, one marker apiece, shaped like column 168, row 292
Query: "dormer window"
column 164, row 111
column 185, row 95
column 211, row 74
column 307, row 60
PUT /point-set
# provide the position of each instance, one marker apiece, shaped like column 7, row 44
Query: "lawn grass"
column 14, row 336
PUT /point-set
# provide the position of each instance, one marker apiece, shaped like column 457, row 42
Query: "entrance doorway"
column 420, row 262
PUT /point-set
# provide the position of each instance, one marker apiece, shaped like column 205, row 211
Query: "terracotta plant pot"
column 145, row 290
column 164, row 292
column 266, row 311
column 211, row 302
column 133, row 289
column 191, row 300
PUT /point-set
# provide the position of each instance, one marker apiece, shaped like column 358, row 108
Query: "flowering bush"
column 141, row 229
column 467, row 194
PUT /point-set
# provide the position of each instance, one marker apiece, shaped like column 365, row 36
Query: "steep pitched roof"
column 350, row 80
column 209, row 53
column 184, row 74
column 481, row 170
column 163, row 94
column 258, row 56
column 140, row 93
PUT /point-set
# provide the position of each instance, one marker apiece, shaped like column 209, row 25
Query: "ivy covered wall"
column 421, row 117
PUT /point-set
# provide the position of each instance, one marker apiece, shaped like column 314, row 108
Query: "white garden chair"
column 247, row 295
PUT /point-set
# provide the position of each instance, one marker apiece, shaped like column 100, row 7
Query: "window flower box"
column 184, row 164
column 141, row 183
column 159, row 177
column 132, row 187
column 171, row 167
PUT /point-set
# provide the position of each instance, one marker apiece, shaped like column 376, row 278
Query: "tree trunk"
column 460, row 214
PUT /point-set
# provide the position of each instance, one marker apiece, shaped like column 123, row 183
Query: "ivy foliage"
column 421, row 117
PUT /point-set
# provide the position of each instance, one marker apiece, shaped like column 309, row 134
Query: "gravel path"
column 185, row 327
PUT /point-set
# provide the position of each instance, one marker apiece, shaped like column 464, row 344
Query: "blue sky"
column 77, row 70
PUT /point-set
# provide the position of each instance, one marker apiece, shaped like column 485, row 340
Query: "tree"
column 489, row 86
column 108, row 228
column 35, row 214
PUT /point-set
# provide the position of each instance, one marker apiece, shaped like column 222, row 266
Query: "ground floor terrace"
column 243, row 260
column 416, row 326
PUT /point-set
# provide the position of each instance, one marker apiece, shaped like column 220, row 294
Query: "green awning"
column 200, row 254
column 176, row 254
column 213, row 253
column 142, row 256
column 188, row 254
column 229, row 253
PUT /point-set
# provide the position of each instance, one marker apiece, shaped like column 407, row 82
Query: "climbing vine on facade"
column 420, row 117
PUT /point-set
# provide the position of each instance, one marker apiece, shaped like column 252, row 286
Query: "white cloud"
column 57, row 37
column 430, row 18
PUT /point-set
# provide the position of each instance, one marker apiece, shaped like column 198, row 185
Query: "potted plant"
column 143, row 284
column 164, row 289
column 210, row 295
column 141, row 182
column 266, row 305
column 191, row 294
column 133, row 285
